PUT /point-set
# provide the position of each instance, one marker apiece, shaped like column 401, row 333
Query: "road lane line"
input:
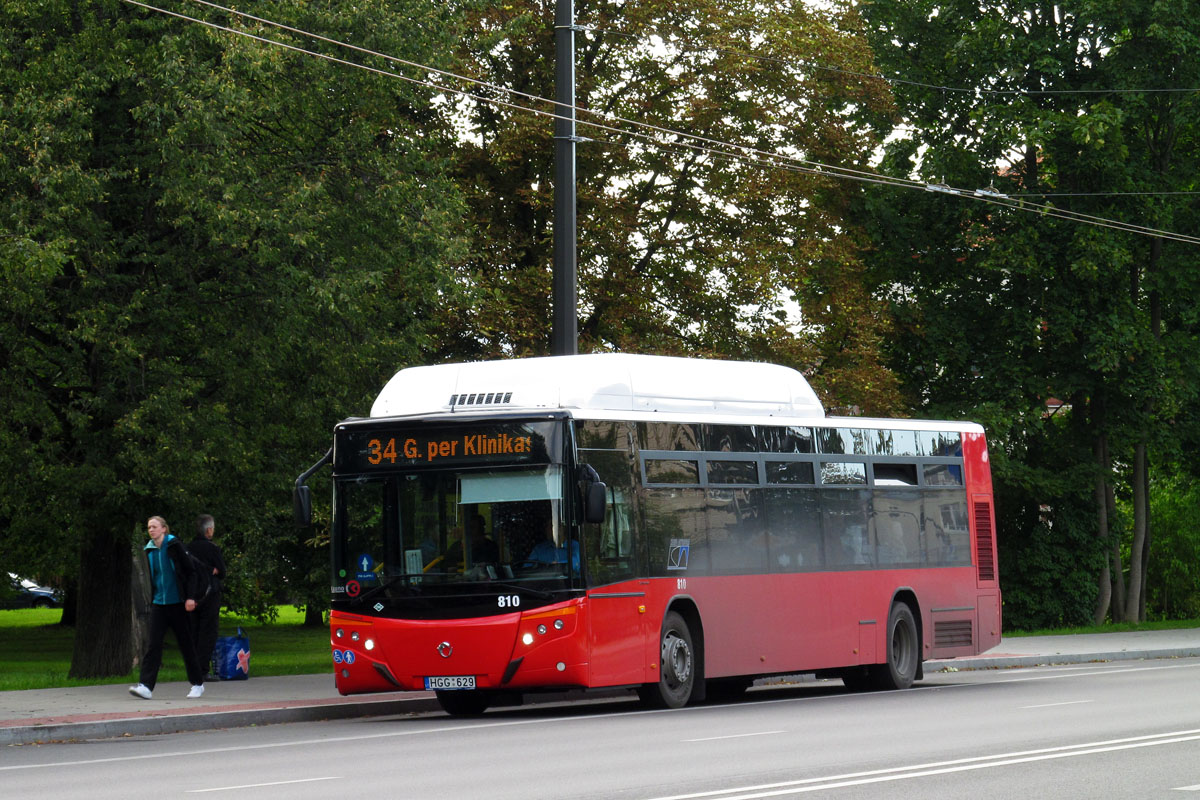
column 1054, row 705
column 937, row 768
column 734, row 736
column 1195, row 788
column 258, row 785
column 452, row 728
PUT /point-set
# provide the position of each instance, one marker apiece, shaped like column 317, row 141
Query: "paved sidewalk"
column 105, row 712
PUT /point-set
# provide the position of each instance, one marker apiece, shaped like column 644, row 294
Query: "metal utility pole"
column 564, row 334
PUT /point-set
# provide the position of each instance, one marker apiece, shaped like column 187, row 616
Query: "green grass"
column 1113, row 627
column 35, row 651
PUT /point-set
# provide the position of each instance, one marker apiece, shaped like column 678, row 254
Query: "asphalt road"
column 1119, row 730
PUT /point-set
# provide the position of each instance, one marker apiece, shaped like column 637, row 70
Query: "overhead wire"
column 693, row 142
column 894, row 80
column 740, row 151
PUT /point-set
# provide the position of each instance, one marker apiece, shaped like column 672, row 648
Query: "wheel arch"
column 908, row 596
column 686, row 608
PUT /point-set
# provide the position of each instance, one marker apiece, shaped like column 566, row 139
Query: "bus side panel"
column 618, row 631
column 770, row 624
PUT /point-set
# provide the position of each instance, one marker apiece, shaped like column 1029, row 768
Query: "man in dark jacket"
column 175, row 585
column 207, row 617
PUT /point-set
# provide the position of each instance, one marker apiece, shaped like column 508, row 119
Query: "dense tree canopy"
column 681, row 249
column 211, row 251
column 1088, row 107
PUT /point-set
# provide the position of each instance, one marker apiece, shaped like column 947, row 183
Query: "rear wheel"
column 677, row 667
column 464, row 703
column 903, row 651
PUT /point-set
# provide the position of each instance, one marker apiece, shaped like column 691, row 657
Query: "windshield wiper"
column 390, row 582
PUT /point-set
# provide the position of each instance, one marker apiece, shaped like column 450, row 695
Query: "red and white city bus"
column 676, row 525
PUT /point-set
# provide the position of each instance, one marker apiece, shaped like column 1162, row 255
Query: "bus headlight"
column 369, row 644
column 527, row 638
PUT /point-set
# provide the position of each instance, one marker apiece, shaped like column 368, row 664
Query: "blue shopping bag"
column 231, row 657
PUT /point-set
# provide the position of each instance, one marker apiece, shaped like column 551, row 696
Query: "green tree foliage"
column 210, row 251
column 1039, row 101
column 680, row 250
column 1175, row 507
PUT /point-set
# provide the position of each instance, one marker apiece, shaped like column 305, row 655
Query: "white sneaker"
column 141, row 690
column 196, row 690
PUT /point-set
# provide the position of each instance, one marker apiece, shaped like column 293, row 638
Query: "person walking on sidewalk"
column 206, row 619
column 174, row 587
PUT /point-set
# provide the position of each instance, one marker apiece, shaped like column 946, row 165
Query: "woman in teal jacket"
column 175, row 587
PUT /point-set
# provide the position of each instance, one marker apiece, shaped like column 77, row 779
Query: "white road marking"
column 257, row 785
column 1067, row 703
column 936, row 768
column 451, row 728
column 1195, row 788
column 734, row 736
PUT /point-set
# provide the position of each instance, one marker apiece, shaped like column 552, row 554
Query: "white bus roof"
column 601, row 382
column 622, row 386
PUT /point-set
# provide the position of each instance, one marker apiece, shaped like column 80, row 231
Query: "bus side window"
column 844, row 514
column 794, row 525
column 610, row 547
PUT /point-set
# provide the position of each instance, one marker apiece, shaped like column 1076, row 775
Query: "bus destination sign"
column 369, row 449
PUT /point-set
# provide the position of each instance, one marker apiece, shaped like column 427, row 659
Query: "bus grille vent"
column 480, row 399
column 952, row 633
column 983, row 542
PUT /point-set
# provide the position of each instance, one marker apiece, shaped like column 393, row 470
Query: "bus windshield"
column 451, row 527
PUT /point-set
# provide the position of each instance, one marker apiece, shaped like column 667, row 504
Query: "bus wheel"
column 464, row 703
column 677, row 667
column 903, row 651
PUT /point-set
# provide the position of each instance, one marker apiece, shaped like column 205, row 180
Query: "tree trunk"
column 1104, row 583
column 70, row 605
column 1146, row 549
column 102, row 631
column 314, row 617
column 1140, row 504
column 142, row 595
column 1118, row 580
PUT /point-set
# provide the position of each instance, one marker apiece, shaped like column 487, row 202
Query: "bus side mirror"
column 302, row 495
column 595, row 502
column 302, row 505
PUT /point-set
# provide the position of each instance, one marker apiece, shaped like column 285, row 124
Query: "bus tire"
column 903, row 651
column 464, row 702
column 677, row 666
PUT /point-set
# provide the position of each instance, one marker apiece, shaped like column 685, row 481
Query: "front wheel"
column 464, row 702
column 677, row 667
column 903, row 651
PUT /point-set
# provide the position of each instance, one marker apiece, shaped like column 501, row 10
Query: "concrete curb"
column 1045, row 660
column 182, row 723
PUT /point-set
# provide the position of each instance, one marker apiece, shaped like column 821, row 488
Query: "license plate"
column 444, row 682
